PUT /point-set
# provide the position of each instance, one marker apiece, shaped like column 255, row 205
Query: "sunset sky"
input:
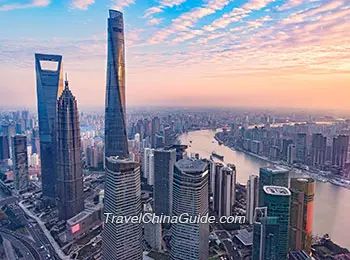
column 258, row 53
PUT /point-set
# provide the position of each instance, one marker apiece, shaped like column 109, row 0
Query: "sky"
column 251, row 53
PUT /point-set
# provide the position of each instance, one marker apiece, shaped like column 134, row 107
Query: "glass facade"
column 49, row 87
column 116, row 143
column 70, row 195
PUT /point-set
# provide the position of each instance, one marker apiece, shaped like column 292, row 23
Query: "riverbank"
column 344, row 183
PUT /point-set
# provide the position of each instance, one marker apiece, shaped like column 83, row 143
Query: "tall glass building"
column 274, row 176
column 190, row 241
column 70, row 194
column 49, row 83
column 276, row 223
column 302, row 213
column 164, row 161
column 116, row 143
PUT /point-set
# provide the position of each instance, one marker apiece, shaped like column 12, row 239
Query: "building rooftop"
column 277, row 190
column 191, row 165
column 245, row 237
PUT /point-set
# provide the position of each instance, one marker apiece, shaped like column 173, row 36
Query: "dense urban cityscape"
column 214, row 183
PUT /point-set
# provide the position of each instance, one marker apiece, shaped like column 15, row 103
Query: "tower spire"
column 66, row 81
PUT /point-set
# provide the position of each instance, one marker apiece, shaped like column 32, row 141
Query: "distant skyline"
column 246, row 53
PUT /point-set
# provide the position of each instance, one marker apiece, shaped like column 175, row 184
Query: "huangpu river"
column 332, row 203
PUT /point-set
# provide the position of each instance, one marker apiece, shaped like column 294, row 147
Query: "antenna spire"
column 66, row 81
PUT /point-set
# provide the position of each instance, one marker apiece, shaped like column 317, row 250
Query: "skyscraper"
column 190, row 241
column 275, row 244
column 49, row 84
column 4, row 147
column 226, row 192
column 148, row 165
column 155, row 130
column 291, row 154
column 164, row 161
column 116, row 143
column 70, row 195
column 302, row 213
column 216, row 187
column 122, row 241
column 20, row 161
column 265, row 235
column 318, row 150
column 300, row 145
column 252, row 197
column 340, row 151
column 272, row 176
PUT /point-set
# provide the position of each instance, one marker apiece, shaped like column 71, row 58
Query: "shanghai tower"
column 49, row 82
column 116, row 143
column 70, row 199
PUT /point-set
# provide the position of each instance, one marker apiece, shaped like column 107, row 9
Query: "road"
column 26, row 248
column 224, row 238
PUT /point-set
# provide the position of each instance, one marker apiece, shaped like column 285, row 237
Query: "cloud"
column 155, row 21
column 81, row 4
column 120, row 4
column 187, row 20
column 163, row 4
column 34, row 3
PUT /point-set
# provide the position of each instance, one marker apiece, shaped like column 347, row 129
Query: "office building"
column 300, row 145
column 148, row 165
column 155, row 131
column 116, row 142
column 20, row 162
column 164, row 161
column 4, row 147
column 122, row 240
column 299, row 255
column 318, row 150
column 252, row 197
column 190, row 241
column 69, row 174
column 227, row 190
column 285, row 145
column 49, row 85
column 273, row 229
column 153, row 231
column 302, row 213
column 272, row 176
column 340, row 151
column 291, row 154
column 217, row 185
column 265, row 235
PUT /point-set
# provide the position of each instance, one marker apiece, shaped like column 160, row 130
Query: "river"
column 332, row 203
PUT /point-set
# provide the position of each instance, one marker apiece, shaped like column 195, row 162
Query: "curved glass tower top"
column 115, row 118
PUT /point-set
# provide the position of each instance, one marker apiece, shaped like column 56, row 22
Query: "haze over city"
column 259, row 53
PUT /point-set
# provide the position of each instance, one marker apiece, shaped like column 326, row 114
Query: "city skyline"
column 295, row 50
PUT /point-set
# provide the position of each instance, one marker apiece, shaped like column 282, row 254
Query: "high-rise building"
column 274, row 243
column 49, row 85
column 9, row 130
column 155, row 131
column 4, row 147
column 69, row 174
column 300, row 145
column 190, row 241
column 340, row 151
column 265, row 235
column 116, row 142
column 318, row 150
column 252, row 197
column 164, row 161
column 122, row 240
column 216, row 188
column 227, row 190
column 35, row 141
column 20, row 162
column 272, row 176
column 153, row 231
column 285, row 145
column 291, row 154
column 302, row 213
column 148, row 165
